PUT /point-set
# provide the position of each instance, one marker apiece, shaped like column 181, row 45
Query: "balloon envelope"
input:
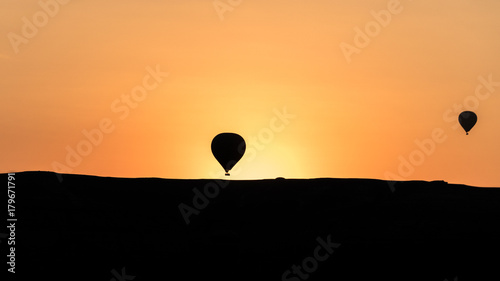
column 228, row 148
column 467, row 119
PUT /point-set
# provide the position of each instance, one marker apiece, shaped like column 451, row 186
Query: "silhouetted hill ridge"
column 254, row 229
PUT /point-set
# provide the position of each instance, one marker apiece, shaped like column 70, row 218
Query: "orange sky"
column 316, row 88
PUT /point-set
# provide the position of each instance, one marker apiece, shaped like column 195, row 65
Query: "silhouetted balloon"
column 228, row 148
column 467, row 119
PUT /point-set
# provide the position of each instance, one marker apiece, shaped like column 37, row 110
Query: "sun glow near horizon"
column 357, row 115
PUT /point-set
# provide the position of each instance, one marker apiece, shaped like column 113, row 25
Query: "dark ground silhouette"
column 98, row 228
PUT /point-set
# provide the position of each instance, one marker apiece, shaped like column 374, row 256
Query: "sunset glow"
column 349, row 89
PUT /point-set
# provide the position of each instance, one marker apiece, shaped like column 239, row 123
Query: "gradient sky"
column 275, row 72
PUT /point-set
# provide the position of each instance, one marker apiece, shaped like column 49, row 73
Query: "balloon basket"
column 227, row 174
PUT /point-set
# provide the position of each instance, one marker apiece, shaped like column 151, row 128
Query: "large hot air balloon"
column 228, row 148
column 467, row 119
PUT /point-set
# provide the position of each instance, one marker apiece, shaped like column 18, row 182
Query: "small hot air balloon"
column 228, row 148
column 467, row 119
